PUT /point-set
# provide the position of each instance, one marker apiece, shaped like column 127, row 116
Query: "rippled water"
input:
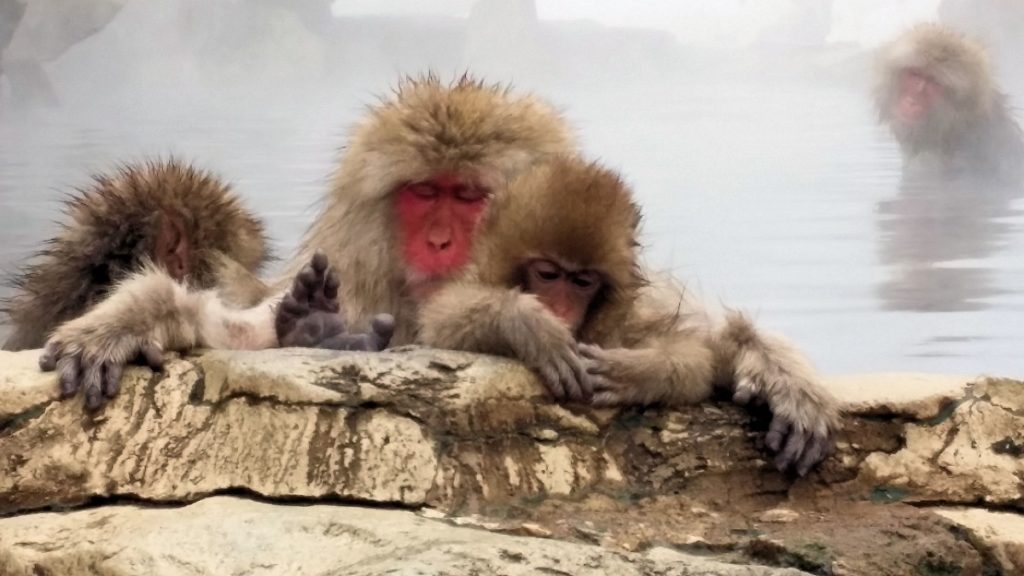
column 780, row 198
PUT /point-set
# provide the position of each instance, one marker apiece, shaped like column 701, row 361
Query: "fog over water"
column 746, row 129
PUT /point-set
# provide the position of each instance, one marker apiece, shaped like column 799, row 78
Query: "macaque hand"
column 805, row 417
column 602, row 366
column 549, row 349
column 90, row 356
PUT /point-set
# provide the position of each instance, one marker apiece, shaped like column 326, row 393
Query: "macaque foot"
column 805, row 420
column 94, row 370
column 308, row 314
column 309, row 317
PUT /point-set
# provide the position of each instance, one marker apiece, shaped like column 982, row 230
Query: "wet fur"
column 109, row 232
column 974, row 129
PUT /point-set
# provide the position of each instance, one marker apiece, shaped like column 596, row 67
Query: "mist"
column 745, row 127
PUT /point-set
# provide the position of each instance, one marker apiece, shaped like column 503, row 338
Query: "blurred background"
column 745, row 126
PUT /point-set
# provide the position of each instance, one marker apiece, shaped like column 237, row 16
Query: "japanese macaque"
column 398, row 222
column 555, row 282
column 186, row 221
column 938, row 96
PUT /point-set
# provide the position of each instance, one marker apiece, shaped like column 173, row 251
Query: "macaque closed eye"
column 471, row 193
column 424, row 190
column 585, row 281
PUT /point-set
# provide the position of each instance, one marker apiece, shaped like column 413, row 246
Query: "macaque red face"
column 567, row 293
column 918, row 94
column 437, row 219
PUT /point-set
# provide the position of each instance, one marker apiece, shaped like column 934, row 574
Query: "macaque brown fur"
column 971, row 128
column 428, row 127
column 643, row 341
column 112, row 228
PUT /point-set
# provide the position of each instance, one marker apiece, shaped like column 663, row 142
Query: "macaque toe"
column 817, row 450
column 319, row 262
column 331, row 285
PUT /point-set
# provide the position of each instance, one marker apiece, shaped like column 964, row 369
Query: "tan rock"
column 224, row 535
column 1000, row 532
column 474, row 439
column 918, row 396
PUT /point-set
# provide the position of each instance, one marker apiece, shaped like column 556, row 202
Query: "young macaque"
column 398, row 222
column 937, row 94
column 184, row 220
column 557, row 271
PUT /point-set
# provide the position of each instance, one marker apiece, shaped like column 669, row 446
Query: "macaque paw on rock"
column 309, row 315
column 90, row 358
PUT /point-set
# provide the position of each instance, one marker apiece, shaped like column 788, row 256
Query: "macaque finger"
column 572, row 386
column 154, row 356
column 776, row 433
column 92, row 385
column 744, row 393
column 582, row 378
column 112, row 379
column 552, row 382
column 69, row 367
column 791, row 453
column 48, row 359
column 817, row 450
column 606, row 399
column 602, row 383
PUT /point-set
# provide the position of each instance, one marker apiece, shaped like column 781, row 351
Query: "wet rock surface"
column 471, row 440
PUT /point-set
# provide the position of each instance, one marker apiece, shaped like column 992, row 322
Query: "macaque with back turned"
column 183, row 220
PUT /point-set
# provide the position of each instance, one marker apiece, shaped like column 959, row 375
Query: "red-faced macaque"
column 184, row 220
column 937, row 94
column 398, row 222
column 556, row 270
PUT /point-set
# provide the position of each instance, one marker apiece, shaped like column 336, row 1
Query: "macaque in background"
column 398, row 222
column 556, row 264
column 937, row 94
column 184, row 220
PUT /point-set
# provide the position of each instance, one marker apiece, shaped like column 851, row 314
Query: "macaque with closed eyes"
column 558, row 270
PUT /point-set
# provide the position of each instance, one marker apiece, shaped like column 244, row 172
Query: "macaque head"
column 417, row 176
column 933, row 83
column 437, row 219
column 565, row 232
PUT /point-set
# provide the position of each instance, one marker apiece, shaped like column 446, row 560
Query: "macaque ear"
column 172, row 247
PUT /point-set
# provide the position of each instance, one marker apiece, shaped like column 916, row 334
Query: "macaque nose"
column 439, row 238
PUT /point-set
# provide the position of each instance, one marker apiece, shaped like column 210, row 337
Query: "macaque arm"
column 506, row 322
column 767, row 368
column 145, row 315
